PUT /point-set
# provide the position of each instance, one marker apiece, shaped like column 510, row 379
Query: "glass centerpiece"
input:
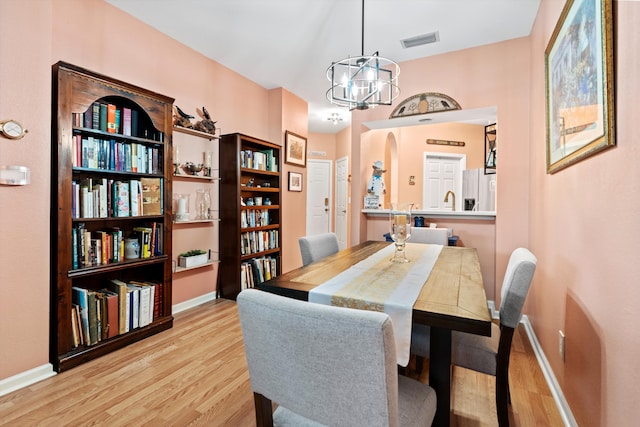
column 400, row 227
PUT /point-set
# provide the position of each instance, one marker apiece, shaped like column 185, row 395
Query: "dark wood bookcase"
column 75, row 92
column 250, row 169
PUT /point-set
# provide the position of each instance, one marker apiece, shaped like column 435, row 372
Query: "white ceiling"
column 290, row 43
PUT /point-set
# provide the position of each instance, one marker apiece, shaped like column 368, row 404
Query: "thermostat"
column 14, row 175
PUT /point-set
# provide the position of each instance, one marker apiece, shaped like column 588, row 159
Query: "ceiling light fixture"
column 335, row 118
column 363, row 81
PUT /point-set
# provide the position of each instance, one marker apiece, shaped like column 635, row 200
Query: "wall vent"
column 420, row 40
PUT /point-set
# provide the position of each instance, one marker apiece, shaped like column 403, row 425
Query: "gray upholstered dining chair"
column 326, row 365
column 438, row 236
column 318, row 246
column 490, row 355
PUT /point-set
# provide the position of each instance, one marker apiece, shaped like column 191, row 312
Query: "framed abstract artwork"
column 580, row 83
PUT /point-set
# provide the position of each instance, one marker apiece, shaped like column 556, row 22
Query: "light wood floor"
column 195, row 374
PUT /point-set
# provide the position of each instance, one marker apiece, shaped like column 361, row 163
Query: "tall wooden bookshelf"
column 88, row 153
column 250, row 229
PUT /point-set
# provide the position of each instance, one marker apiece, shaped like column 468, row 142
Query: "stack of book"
column 101, row 247
column 253, row 242
column 104, row 198
column 260, row 160
column 257, row 270
column 98, row 315
column 116, row 119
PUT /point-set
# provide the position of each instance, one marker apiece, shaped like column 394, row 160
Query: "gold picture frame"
column 295, row 149
column 579, row 83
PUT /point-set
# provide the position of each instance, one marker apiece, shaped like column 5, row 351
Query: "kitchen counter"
column 467, row 215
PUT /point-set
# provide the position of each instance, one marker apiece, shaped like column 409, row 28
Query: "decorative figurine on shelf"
column 250, row 183
column 376, row 188
column 182, row 119
column 206, row 125
column 192, row 168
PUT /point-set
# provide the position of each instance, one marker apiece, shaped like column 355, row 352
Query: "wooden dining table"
column 452, row 299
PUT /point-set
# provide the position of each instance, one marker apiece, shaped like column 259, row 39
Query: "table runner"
column 377, row 284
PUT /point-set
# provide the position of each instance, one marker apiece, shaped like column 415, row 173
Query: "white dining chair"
column 314, row 248
column 326, row 365
column 490, row 355
column 438, row 236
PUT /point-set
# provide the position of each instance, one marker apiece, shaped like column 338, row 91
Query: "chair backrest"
column 314, row 248
column 333, row 365
column 438, row 236
column 516, row 284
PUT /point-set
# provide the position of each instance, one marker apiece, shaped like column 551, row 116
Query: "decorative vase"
column 400, row 230
column 131, row 248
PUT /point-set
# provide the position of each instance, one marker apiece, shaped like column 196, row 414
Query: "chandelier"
column 363, row 81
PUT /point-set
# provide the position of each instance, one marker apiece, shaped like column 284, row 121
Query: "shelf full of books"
column 250, row 229
column 110, row 215
column 98, row 315
column 257, row 270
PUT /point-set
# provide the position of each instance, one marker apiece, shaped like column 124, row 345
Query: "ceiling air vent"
column 420, row 40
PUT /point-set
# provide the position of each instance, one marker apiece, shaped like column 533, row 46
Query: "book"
column 75, row 332
column 103, row 117
column 151, row 196
column 146, row 305
column 135, row 197
column 122, row 199
column 133, row 294
column 120, row 288
column 112, row 313
column 126, row 121
column 144, row 237
column 79, row 296
column 93, row 318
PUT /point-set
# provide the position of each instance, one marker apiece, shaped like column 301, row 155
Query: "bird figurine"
column 183, row 114
column 206, row 124
column 182, row 119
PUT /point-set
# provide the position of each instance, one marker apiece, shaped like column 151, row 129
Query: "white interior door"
column 318, row 196
column 442, row 173
column 342, row 178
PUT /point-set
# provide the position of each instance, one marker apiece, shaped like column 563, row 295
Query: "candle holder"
column 208, row 158
column 203, row 201
column 182, row 207
column 176, row 161
column 400, row 227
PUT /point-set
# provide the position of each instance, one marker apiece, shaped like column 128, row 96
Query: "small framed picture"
column 295, row 149
column 295, row 181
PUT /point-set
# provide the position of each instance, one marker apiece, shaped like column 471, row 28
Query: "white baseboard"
column 556, row 391
column 177, row 308
column 26, row 378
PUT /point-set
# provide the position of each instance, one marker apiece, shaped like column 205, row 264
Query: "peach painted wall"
column 322, row 142
column 25, row 88
column 343, row 150
column 583, row 227
column 295, row 114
